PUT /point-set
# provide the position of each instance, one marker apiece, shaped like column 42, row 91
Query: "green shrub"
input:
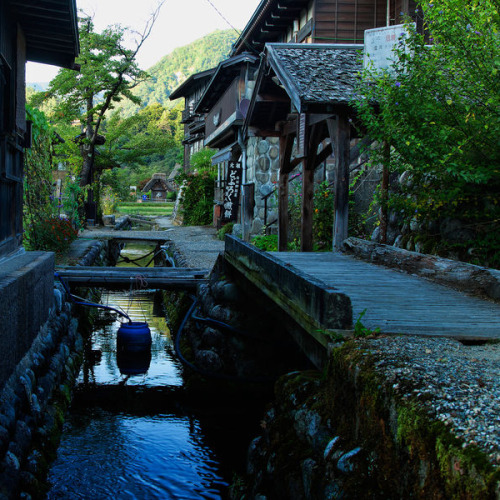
column 198, row 193
column 267, row 242
column 226, row 229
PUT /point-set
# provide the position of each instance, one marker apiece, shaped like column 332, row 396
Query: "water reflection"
column 100, row 364
column 128, row 435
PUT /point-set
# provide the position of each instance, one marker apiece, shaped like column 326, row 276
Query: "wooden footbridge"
column 325, row 294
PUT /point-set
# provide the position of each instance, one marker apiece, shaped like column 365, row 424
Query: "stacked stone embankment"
column 35, row 396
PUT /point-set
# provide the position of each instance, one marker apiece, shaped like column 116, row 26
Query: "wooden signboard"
column 232, row 192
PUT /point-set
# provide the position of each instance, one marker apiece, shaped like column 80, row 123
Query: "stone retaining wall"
column 37, row 393
column 26, row 283
column 355, row 432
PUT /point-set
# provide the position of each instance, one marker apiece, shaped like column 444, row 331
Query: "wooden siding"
column 12, row 120
column 344, row 21
column 225, row 107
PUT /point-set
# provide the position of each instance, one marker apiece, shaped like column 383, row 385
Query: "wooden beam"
column 271, row 98
column 290, row 127
column 313, row 138
column 314, row 118
column 306, row 229
column 360, row 147
column 286, row 144
column 323, row 155
column 342, row 160
column 264, row 133
column 123, row 278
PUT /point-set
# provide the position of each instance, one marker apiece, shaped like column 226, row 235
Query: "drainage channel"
column 134, row 433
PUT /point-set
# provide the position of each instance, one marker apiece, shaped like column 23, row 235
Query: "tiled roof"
column 315, row 74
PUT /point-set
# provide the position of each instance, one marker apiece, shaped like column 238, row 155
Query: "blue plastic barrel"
column 133, row 337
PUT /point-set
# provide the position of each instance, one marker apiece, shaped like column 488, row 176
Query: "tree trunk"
column 88, row 147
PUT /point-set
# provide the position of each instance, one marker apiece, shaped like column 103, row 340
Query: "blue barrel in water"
column 133, row 337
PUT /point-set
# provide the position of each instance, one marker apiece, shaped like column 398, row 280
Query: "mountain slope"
column 174, row 68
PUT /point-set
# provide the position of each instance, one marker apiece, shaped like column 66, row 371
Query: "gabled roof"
column 50, row 28
column 225, row 73
column 270, row 19
column 316, row 74
column 194, row 81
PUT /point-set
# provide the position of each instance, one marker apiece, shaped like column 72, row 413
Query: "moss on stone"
column 405, row 452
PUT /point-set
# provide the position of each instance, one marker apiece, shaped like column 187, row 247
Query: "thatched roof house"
column 158, row 186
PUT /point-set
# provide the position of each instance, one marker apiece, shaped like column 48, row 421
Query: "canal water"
column 132, row 435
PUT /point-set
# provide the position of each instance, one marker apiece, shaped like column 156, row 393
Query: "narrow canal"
column 134, row 433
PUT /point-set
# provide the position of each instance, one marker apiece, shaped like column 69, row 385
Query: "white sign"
column 379, row 46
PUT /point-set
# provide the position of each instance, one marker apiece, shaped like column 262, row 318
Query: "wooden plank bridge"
column 328, row 292
column 124, row 278
column 397, row 302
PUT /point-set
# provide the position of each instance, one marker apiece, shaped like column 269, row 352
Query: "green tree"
column 438, row 109
column 174, row 68
column 108, row 73
column 142, row 138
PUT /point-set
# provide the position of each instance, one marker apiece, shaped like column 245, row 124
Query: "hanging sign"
column 232, row 191
column 380, row 44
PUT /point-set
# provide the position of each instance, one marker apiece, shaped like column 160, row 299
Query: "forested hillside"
column 176, row 67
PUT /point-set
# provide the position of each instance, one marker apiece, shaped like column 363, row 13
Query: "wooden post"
column 342, row 160
column 384, row 191
column 313, row 139
column 306, row 233
column 286, row 143
column 283, row 213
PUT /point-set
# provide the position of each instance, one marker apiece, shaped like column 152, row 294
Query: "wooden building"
column 319, row 21
column 224, row 104
column 302, row 96
column 30, row 30
column 194, row 123
column 43, row 31
column 261, row 116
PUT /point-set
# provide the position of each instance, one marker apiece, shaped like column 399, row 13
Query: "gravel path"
column 456, row 383
column 198, row 245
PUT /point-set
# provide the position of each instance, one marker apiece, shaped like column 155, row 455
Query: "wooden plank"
column 133, row 277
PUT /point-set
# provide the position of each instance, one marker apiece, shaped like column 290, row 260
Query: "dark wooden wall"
column 12, row 127
column 226, row 106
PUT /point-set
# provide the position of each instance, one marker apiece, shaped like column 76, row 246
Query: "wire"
column 223, row 17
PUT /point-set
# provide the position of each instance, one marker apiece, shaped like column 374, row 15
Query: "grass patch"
column 163, row 209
